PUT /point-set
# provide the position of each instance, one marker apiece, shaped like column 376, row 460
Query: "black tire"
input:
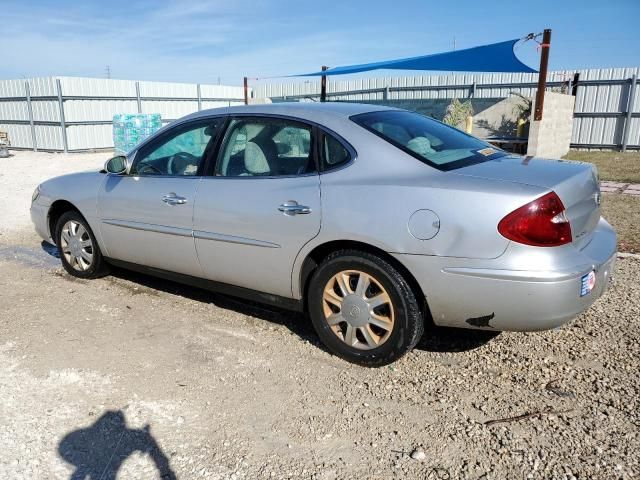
column 98, row 266
column 408, row 324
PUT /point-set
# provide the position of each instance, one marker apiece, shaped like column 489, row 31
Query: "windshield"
column 430, row 141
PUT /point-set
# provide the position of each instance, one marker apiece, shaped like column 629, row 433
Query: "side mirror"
column 117, row 165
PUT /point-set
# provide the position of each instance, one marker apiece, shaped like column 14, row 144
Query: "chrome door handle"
column 173, row 199
column 291, row 207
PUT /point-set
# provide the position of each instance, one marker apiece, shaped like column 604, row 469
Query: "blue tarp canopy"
column 497, row 57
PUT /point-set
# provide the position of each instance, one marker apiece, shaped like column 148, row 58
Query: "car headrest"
column 255, row 160
column 420, row 145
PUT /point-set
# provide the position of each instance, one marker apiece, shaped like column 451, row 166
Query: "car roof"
column 305, row 110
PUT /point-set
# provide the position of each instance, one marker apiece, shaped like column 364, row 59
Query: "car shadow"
column 296, row 322
column 435, row 339
column 447, row 339
column 50, row 249
column 98, row 452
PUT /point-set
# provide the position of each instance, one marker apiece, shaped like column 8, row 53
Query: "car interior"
column 266, row 149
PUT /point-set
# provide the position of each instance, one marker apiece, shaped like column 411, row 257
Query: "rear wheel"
column 363, row 309
column 77, row 246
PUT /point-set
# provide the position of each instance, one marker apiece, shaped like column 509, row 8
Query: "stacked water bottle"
column 129, row 129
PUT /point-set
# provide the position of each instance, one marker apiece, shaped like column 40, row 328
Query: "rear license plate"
column 587, row 282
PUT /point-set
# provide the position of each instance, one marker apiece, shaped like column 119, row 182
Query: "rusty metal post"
column 542, row 76
column 323, row 86
column 246, row 91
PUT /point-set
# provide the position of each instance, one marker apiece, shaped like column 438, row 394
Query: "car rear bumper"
column 487, row 295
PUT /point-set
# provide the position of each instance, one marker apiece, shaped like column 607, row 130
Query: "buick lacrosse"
column 377, row 222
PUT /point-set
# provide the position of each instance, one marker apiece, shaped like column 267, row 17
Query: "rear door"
column 146, row 217
column 260, row 205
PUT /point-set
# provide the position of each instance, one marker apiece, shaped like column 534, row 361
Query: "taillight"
column 541, row 223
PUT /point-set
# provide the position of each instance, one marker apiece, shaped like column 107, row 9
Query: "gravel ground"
column 21, row 173
column 133, row 377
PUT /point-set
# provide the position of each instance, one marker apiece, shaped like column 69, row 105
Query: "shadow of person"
column 99, row 451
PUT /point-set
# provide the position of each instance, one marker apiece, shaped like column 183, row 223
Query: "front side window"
column 430, row 141
column 180, row 152
column 266, row 147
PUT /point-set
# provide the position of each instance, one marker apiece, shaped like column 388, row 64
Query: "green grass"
column 623, row 213
column 612, row 166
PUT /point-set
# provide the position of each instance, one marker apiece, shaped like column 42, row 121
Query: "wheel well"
column 315, row 257
column 55, row 212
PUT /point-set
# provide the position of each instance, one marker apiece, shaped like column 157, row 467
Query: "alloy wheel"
column 358, row 309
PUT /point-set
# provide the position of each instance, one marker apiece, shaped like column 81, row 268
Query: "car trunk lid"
column 574, row 182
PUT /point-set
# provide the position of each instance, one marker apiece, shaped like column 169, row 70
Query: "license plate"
column 587, row 282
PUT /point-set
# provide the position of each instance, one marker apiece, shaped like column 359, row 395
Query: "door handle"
column 291, row 207
column 173, row 199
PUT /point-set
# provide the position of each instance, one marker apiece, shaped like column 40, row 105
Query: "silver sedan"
column 377, row 222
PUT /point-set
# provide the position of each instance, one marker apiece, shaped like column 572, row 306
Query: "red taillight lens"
column 541, row 223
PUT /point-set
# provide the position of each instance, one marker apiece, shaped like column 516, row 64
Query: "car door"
column 260, row 206
column 146, row 216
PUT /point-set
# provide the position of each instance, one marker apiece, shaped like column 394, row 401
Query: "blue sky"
column 200, row 41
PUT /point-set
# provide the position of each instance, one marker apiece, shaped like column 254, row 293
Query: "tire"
column 377, row 332
column 79, row 252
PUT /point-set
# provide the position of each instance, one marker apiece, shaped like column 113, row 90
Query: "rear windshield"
column 430, row 141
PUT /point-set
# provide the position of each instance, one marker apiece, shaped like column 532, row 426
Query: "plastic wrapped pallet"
column 129, row 129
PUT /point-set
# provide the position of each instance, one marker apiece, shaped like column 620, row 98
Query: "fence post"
column 63, row 124
column 34, row 141
column 138, row 97
column 630, row 103
column 199, row 97
column 542, row 74
column 323, row 85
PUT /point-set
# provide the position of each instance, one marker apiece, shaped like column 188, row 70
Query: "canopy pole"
column 323, row 85
column 246, row 91
column 542, row 76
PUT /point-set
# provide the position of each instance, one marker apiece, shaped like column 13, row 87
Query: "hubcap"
column 358, row 309
column 76, row 245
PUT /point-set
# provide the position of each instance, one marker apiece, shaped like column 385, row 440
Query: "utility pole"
column 542, row 76
column 323, row 85
column 246, row 91
column 107, row 71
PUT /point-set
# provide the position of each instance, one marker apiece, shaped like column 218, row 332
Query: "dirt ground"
column 133, row 377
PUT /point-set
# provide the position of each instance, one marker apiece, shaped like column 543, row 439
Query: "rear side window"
column 334, row 153
column 430, row 141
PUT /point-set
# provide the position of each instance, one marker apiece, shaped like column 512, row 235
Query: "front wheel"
column 77, row 246
column 363, row 309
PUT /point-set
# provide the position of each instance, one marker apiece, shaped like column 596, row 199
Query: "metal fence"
column 76, row 114
column 607, row 109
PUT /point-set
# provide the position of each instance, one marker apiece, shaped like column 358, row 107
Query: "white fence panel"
column 88, row 107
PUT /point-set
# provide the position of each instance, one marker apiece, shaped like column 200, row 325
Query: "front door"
column 254, row 215
column 146, row 217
